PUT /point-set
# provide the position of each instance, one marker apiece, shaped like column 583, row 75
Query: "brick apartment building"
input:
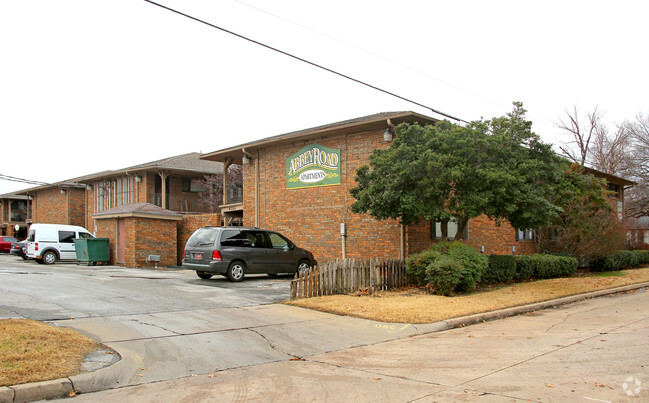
column 156, row 196
column 298, row 183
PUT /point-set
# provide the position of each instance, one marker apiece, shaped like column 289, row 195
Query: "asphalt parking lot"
column 64, row 290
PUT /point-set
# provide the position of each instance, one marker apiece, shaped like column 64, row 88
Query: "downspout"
column 256, row 190
column 402, row 241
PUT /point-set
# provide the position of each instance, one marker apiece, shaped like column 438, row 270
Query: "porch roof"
column 140, row 210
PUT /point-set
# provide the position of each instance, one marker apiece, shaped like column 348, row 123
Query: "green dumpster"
column 91, row 250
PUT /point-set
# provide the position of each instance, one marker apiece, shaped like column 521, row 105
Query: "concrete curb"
column 517, row 310
column 60, row 388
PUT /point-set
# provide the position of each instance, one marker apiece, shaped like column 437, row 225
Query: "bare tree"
column 624, row 153
column 212, row 198
column 612, row 153
column 577, row 148
column 593, row 145
column 638, row 195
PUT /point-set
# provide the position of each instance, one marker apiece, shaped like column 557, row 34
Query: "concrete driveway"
column 591, row 351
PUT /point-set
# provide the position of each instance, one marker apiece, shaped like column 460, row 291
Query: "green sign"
column 313, row 166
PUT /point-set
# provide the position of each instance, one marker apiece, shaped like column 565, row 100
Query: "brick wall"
column 76, row 206
column 50, row 207
column 107, row 228
column 481, row 231
column 191, row 223
column 311, row 217
column 153, row 237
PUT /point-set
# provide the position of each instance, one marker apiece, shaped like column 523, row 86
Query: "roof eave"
column 236, row 153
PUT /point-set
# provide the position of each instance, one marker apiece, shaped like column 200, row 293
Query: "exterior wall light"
column 62, row 191
column 138, row 178
column 246, row 160
column 88, row 187
column 387, row 135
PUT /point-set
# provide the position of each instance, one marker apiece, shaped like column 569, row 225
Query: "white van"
column 47, row 243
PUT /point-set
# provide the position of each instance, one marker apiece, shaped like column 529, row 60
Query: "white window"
column 448, row 227
column 524, row 235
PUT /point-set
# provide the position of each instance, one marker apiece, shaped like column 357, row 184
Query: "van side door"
column 66, row 244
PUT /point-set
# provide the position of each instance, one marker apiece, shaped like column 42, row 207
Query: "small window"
column 85, row 235
column 446, row 229
column 191, row 186
column 67, row 236
column 524, row 235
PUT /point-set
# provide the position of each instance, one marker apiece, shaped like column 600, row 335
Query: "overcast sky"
column 91, row 85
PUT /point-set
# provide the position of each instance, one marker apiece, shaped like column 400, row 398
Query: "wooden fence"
column 351, row 275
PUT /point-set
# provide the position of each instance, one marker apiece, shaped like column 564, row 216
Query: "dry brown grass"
column 418, row 306
column 32, row 351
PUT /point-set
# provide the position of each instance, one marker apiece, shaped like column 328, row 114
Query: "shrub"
column 467, row 263
column 445, row 274
column 416, row 264
column 501, row 269
column 544, row 266
column 618, row 261
column 642, row 256
column 524, row 267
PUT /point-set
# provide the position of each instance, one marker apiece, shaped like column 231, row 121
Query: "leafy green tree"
column 499, row 168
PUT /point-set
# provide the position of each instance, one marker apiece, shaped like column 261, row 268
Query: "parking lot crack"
column 142, row 322
column 274, row 347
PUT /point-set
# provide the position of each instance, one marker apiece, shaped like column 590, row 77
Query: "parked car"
column 18, row 249
column 237, row 251
column 47, row 243
column 5, row 243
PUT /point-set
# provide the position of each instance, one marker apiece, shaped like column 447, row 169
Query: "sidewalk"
column 300, row 367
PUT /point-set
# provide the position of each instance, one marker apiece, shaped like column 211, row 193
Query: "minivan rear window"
column 31, row 235
column 203, row 237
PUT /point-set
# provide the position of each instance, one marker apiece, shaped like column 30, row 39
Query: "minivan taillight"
column 216, row 255
column 36, row 246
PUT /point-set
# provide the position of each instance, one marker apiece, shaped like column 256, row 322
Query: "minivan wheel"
column 236, row 271
column 204, row 275
column 303, row 266
column 49, row 258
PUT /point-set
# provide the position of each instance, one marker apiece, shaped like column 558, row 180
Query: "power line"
column 307, row 61
column 378, row 56
column 21, row 180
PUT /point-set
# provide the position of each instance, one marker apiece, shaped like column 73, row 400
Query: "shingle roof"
column 366, row 122
column 189, row 163
column 138, row 210
column 14, row 196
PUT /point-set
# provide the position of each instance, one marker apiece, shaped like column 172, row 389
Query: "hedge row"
column 622, row 260
column 504, row 268
column 451, row 267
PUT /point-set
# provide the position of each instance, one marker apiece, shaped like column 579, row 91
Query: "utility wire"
column 378, row 56
column 21, row 180
column 307, row 62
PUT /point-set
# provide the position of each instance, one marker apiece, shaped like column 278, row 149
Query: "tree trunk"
column 461, row 226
